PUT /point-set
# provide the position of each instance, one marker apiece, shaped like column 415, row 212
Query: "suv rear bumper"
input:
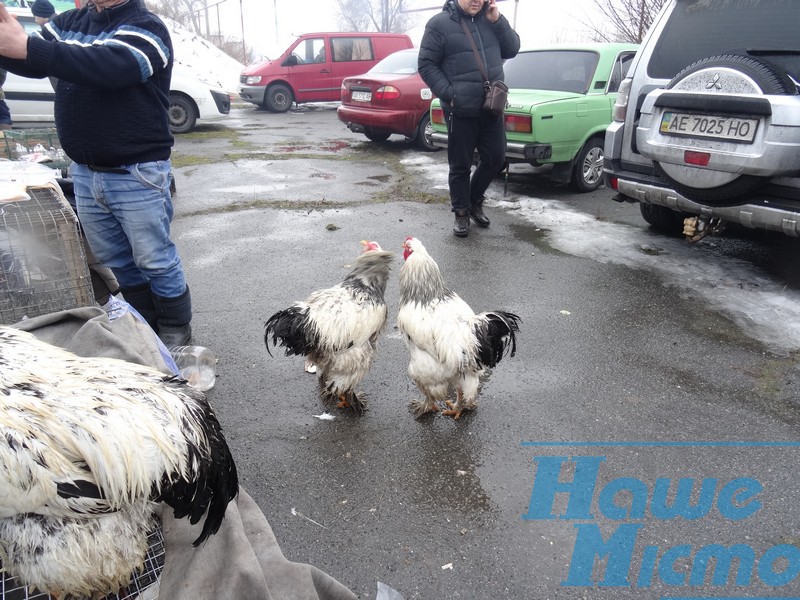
column 765, row 214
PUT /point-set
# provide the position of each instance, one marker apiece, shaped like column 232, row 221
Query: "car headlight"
column 252, row 79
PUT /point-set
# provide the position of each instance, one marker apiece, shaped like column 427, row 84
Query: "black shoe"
column 173, row 336
column 461, row 225
column 477, row 214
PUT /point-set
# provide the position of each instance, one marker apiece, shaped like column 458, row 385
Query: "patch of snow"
column 204, row 59
column 762, row 306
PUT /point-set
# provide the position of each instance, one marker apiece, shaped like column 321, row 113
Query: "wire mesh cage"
column 35, row 145
column 43, row 266
column 142, row 585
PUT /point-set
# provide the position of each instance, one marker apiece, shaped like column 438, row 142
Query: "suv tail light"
column 437, row 116
column 698, row 159
column 620, row 106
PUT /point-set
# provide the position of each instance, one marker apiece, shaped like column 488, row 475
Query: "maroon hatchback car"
column 389, row 98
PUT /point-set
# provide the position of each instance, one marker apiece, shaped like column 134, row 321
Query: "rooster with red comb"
column 337, row 328
column 450, row 345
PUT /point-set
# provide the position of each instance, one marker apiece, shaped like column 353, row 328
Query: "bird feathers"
column 449, row 344
column 495, row 332
column 338, row 327
column 89, row 445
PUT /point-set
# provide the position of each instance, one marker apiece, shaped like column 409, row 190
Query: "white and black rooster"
column 337, row 328
column 449, row 344
column 88, row 448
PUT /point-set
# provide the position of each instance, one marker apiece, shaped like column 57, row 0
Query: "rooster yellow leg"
column 343, row 403
column 455, row 407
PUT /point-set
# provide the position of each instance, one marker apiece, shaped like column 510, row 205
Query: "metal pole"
column 275, row 4
column 516, row 6
column 244, row 46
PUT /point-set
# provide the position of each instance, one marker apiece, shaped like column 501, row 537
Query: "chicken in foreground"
column 449, row 344
column 337, row 328
column 88, row 448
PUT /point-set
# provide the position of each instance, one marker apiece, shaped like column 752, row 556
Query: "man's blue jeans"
column 126, row 219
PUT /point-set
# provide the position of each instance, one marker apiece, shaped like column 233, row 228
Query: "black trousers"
column 464, row 134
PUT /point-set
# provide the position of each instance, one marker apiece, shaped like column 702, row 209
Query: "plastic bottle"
column 197, row 364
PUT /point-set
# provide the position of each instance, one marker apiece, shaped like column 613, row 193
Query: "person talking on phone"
column 449, row 67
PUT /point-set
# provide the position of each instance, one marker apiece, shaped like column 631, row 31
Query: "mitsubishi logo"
column 714, row 83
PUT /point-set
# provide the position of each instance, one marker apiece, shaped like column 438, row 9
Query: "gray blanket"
column 243, row 560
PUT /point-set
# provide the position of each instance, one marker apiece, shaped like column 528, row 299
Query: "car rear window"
column 560, row 70
column 698, row 29
column 399, row 63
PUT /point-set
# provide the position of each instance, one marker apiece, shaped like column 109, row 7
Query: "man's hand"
column 13, row 39
column 492, row 13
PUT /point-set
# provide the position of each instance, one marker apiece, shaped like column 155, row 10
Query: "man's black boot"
column 141, row 298
column 477, row 214
column 174, row 319
column 461, row 225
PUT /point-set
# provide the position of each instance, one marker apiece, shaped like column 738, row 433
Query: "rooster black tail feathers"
column 495, row 334
column 222, row 482
column 292, row 329
column 212, row 481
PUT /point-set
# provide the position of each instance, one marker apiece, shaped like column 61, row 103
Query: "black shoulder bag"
column 496, row 91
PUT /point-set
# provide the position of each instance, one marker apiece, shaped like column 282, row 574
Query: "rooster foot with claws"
column 352, row 401
column 455, row 411
column 422, row 407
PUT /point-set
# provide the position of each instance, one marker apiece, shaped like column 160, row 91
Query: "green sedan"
column 559, row 106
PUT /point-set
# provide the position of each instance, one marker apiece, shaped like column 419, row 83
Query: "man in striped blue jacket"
column 113, row 62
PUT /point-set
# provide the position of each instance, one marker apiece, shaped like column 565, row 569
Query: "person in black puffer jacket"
column 447, row 65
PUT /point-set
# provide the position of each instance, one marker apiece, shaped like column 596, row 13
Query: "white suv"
column 707, row 124
column 190, row 98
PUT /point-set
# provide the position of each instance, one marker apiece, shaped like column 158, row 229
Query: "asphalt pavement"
column 676, row 426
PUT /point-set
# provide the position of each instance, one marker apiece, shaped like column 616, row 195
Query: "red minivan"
column 312, row 68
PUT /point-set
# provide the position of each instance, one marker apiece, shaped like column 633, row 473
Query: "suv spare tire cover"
column 736, row 74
